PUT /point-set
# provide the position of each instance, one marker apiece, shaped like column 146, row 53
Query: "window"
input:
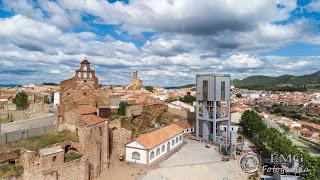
column 136, row 155
column 205, row 90
column 172, row 142
column 158, row 152
column 54, row 158
column 100, row 131
column 84, row 93
column 180, row 137
column 85, row 75
column 163, row 148
column 177, row 140
column 152, row 155
column 223, row 90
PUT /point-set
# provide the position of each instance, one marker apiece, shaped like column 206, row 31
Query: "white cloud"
column 185, row 16
column 189, row 37
column 243, row 61
column 314, row 6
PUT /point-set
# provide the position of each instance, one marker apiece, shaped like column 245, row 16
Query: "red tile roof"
column 154, row 138
column 316, row 126
column 7, row 156
column 85, row 110
column 185, row 125
column 91, row 119
column 5, row 96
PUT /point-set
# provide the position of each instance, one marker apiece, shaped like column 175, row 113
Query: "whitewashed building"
column 151, row 146
column 56, row 99
column 180, row 105
column 187, row 128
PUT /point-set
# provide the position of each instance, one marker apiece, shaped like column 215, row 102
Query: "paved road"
column 298, row 142
column 271, row 124
column 294, row 139
column 193, row 161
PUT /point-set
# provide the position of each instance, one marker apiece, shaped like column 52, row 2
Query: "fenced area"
column 30, row 128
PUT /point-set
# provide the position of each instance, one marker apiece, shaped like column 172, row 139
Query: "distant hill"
column 180, row 87
column 50, row 83
column 10, row 85
column 281, row 83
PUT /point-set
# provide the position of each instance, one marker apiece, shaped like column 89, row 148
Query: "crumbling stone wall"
column 134, row 110
column 135, row 83
column 121, row 136
column 94, row 140
column 44, row 168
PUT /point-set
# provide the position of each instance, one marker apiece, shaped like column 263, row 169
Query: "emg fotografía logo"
column 249, row 163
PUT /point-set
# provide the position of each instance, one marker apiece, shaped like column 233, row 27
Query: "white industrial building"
column 212, row 105
column 151, row 146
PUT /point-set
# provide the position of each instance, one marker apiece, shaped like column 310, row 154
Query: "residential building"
column 312, row 109
column 187, row 128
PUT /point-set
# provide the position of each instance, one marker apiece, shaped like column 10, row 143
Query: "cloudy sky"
column 167, row 41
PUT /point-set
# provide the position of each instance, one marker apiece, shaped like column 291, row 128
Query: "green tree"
column 188, row 99
column 277, row 110
column 21, row 100
column 171, row 99
column 149, row 88
column 284, row 127
column 122, row 108
column 271, row 141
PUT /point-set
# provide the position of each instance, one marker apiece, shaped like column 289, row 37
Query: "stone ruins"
column 135, row 83
column 83, row 111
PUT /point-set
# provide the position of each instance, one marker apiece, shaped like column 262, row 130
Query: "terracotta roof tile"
column 5, row 96
column 316, row 126
column 6, row 156
column 185, row 125
column 91, row 119
column 154, row 138
column 85, row 110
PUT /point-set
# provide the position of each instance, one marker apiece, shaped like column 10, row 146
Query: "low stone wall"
column 25, row 134
column 28, row 128
column 74, row 170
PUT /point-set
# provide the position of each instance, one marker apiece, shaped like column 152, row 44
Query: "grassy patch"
column 114, row 116
column 6, row 120
column 127, row 124
column 37, row 143
column 8, row 170
column 72, row 155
